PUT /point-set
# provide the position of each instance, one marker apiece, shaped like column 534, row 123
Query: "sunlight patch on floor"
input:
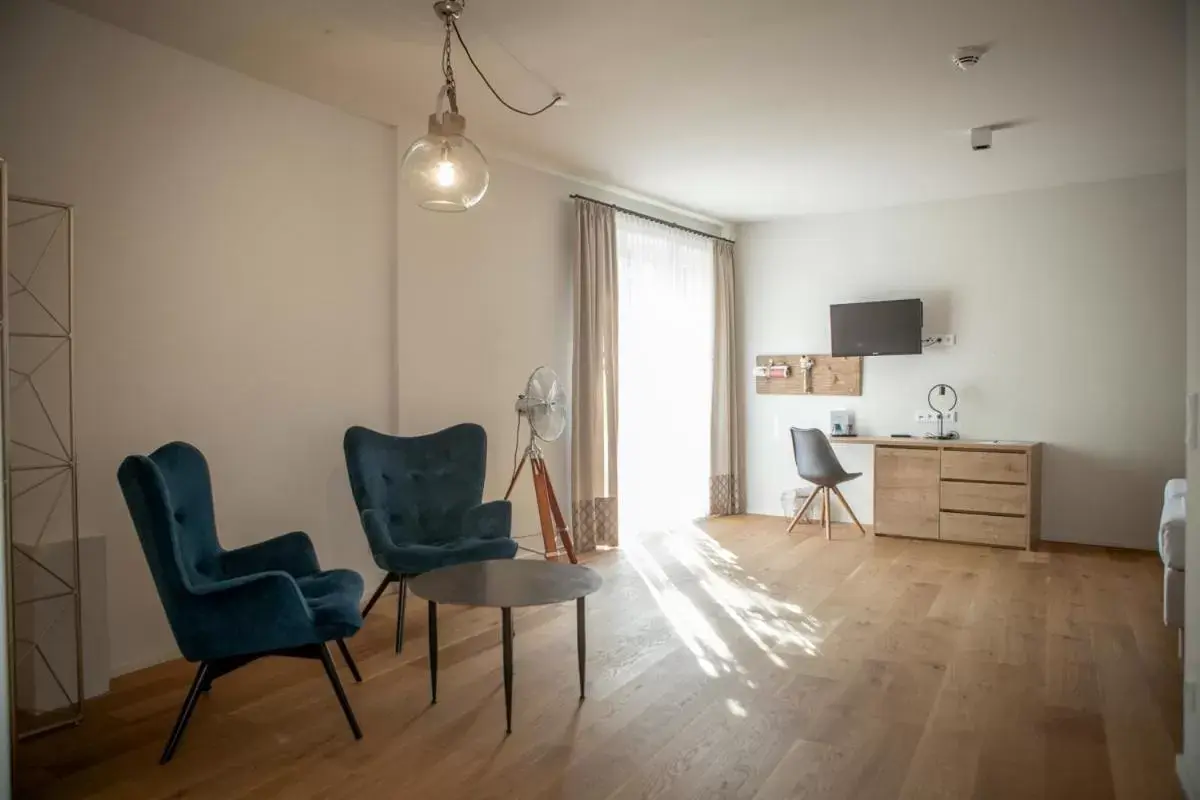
column 774, row 626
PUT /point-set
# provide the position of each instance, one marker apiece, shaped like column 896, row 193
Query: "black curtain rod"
column 649, row 218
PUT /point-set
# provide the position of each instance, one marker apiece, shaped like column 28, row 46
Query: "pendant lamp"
column 444, row 170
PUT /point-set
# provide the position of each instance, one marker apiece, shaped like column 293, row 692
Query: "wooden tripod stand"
column 554, row 527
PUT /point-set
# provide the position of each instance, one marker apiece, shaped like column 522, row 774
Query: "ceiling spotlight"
column 966, row 57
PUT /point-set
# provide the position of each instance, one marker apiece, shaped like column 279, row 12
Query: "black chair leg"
column 387, row 579
column 433, row 652
column 403, row 595
column 341, row 643
column 199, row 684
column 327, row 661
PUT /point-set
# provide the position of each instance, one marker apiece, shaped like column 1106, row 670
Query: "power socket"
column 943, row 339
column 930, row 417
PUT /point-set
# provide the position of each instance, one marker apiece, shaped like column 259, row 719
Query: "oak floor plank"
column 943, row 766
column 727, row 659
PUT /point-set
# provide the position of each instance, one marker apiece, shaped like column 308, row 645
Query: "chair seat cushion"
column 414, row 559
column 333, row 596
column 831, row 480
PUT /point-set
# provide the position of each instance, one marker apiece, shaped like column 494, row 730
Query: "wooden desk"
column 980, row 492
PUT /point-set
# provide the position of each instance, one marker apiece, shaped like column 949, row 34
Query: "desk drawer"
column 984, row 529
column 979, row 465
column 988, row 498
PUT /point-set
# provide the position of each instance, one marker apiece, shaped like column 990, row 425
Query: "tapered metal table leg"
column 506, row 625
column 581, row 631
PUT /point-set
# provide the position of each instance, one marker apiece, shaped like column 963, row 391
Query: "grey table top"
column 506, row 583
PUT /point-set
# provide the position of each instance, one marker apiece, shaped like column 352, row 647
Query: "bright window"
column 664, row 380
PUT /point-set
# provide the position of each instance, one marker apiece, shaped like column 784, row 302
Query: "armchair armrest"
column 291, row 553
column 488, row 520
column 248, row 614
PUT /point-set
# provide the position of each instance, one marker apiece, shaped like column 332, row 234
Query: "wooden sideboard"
column 957, row 490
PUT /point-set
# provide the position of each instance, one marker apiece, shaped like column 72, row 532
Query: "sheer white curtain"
column 665, row 365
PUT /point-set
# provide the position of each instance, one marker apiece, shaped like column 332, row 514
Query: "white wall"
column 239, row 287
column 1189, row 765
column 483, row 298
column 235, row 269
column 1068, row 305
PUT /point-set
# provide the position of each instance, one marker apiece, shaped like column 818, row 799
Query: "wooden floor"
column 727, row 660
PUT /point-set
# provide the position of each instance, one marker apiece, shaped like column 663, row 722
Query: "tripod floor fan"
column 543, row 406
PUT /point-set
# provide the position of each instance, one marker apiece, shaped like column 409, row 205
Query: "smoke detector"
column 966, row 57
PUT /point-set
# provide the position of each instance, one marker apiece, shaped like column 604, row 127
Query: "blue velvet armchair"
column 420, row 501
column 227, row 608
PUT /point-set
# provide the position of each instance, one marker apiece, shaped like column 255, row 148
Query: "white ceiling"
column 739, row 110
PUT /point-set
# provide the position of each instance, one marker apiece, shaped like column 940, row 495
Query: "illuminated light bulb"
column 445, row 175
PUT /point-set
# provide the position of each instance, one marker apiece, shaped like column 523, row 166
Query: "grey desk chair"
column 818, row 464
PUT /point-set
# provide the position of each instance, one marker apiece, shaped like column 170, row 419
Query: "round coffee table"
column 506, row 584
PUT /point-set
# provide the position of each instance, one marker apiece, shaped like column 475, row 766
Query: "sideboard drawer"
column 988, row 498
column 906, row 512
column 979, row 465
column 984, row 529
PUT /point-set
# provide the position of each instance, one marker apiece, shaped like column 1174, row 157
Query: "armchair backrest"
column 815, row 460
column 424, row 484
column 169, row 495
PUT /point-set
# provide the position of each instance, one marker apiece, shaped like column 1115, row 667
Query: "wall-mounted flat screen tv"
column 886, row 328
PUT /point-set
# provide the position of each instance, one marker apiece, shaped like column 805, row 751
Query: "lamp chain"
column 448, row 68
column 449, row 15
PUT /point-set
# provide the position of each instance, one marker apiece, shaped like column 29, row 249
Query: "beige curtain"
column 594, row 379
column 724, row 484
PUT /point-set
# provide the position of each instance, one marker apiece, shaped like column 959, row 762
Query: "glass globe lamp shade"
column 444, row 170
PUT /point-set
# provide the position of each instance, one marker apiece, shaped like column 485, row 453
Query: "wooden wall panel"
column 829, row 376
